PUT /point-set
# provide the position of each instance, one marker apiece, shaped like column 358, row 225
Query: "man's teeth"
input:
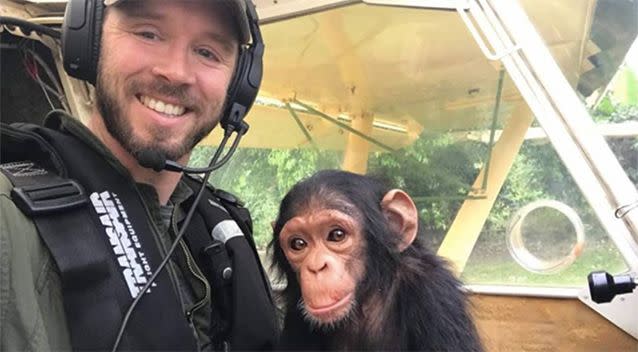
column 162, row 107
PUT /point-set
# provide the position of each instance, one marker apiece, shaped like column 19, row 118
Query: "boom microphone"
column 153, row 159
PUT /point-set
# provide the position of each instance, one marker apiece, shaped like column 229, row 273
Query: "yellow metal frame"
column 466, row 228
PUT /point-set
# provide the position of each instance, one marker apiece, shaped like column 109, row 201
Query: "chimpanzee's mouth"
column 332, row 311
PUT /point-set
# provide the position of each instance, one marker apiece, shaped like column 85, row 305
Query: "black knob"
column 603, row 287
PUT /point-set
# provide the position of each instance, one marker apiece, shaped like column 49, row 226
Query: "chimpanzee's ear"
column 402, row 216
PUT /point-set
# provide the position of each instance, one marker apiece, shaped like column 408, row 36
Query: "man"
column 164, row 71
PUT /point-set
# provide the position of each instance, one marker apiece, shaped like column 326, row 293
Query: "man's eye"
column 206, row 54
column 297, row 244
column 336, row 235
column 148, row 35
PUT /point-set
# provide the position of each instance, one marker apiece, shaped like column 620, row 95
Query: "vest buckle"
column 228, row 197
column 47, row 198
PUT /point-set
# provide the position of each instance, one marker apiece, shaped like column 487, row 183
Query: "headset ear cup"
column 235, row 86
column 98, row 19
column 81, row 37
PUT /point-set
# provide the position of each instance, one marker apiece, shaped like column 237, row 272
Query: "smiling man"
column 162, row 79
column 165, row 77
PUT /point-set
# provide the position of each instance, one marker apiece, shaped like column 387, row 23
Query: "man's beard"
column 120, row 128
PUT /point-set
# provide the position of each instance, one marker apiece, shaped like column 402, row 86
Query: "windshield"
column 408, row 95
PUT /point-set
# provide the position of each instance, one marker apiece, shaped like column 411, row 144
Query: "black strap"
column 95, row 246
column 244, row 298
column 59, row 210
column 242, row 216
column 212, row 258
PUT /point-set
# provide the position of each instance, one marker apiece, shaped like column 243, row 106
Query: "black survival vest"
column 99, row 232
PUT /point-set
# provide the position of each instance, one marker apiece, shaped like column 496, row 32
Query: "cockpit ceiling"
column 417, row 68
column 412, row 69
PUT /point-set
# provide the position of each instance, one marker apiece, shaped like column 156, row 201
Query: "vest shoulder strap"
column 57, row 204
column 95, row 294
column 252, row 326
column 33, row 165
column 230, row 202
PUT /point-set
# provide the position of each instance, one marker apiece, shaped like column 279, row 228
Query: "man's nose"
column 175, row 66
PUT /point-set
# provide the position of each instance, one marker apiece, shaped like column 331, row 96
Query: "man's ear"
column 402, row 216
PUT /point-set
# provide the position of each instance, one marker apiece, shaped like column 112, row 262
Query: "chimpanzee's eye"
column 336, row 235
column 297, row 244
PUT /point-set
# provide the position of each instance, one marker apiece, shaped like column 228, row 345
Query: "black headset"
column 81, row 37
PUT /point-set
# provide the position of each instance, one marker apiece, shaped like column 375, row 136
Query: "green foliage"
column 631, row 86
column 261, row 177
column 604, row 110
column 624, row 148
column 437, row 172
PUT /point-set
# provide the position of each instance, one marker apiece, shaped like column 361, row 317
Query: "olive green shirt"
column 32, row 316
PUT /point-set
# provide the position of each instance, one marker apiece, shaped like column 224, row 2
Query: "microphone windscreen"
column 151, row 159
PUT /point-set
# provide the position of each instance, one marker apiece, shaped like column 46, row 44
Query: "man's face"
column 164, row 70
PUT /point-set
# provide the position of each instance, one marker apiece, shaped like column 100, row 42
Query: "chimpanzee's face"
column 323, row 247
